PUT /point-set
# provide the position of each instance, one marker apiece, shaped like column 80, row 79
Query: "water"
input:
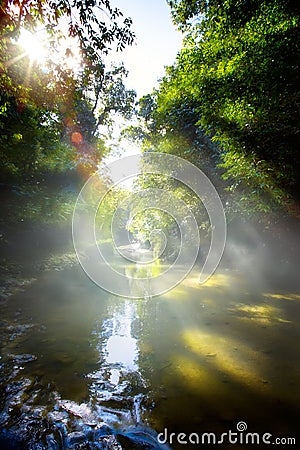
column 81, row 368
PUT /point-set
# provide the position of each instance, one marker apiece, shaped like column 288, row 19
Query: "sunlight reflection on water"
column 123, row 350
column 199, row 356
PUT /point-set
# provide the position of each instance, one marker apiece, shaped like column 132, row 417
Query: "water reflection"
column 198, row 358
column 122, row 350
column 118, row 384
column 73, row 359
column 117, row 347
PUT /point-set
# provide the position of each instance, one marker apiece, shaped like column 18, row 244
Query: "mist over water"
column 83, row 367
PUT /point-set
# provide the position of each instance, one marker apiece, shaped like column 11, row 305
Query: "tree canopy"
column 95, row 23
column 51, row 111
column 236, row 79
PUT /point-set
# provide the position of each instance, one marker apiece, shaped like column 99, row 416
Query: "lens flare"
column 123, row 268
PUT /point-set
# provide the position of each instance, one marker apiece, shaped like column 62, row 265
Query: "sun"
column 33, row 45
column 65, row 52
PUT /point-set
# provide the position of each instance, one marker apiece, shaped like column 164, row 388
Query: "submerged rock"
column 76, row 437
column 22, row 359
column 141, row 438
column 109, row 443
column 83, row 411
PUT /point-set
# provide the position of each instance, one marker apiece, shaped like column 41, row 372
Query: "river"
column 81, row 368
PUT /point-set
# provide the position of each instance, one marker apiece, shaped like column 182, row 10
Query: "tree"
column 94, row 22
column 107, row 94
column 50, row 115
column 236, row 79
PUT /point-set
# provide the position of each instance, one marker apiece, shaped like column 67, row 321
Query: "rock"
column 76, row 437
column 102, row 430
column 51, row 443
column 22, row 359
column 110, row 443
column 83, row 411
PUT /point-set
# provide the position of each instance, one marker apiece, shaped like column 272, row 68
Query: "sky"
column 156, row 46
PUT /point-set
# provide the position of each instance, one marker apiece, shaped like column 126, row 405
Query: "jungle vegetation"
column 229, row 103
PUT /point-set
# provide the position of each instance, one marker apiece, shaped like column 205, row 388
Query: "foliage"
column 94, row 22
column 237, row 79
column 50, row 114
column 49, row 200
column 106, row 93
column 176, row 204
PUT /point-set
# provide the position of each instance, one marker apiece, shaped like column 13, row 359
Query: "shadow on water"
column 84, row 369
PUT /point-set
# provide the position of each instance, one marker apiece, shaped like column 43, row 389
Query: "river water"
column 81, row 368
